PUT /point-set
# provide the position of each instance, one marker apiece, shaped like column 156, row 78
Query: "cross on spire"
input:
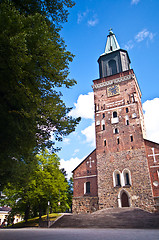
column 153, row 155
column 90, row 162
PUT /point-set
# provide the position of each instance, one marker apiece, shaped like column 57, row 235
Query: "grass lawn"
column 34, row 222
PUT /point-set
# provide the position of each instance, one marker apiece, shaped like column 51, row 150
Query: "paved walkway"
column 79, row 234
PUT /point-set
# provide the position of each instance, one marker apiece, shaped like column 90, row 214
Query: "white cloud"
column 129, row 45
column 151, row 117
column 135, row 1
column 81, row 16
column 89, row 133
column 66, row 141
column 84, row 107
column 70, row 165
column 92, row 22
column 75, row 152
column 144, row 34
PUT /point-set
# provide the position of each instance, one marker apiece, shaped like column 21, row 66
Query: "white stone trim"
column 86, row 176
column 114, row 108
column 123, row 178
column 154, row 166
column 116, row 80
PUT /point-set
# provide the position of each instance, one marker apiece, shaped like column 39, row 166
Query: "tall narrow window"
column 103, row 126
column 115, row 114
column 127, row 181
column 105, row 142
column 116, row 130
column 103, row 115
column 127, row 122
column 131, row 138
column 117, row 140
column 87, row 187
column 126, row 177
column 127, row 110
column 118, row 180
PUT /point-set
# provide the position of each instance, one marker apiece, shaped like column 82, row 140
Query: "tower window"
column 127, row 110
column 127, row 122
column 118, row 180
column 131, row 138
column 116, row 131
column 103, row 115
column 115, row 114
column 105, row 142
column 127, row 181
column 103, row 127
column 126, row 177
column 117, row 140
column 112, row 67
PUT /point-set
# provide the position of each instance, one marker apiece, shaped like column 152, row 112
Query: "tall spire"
column 112, row 44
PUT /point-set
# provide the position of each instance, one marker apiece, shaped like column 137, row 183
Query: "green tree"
column 41, row 181
column 34, row 64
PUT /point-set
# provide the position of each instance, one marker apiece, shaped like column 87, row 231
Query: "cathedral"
column 123, row 170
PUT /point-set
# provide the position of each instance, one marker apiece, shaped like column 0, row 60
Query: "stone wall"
column 85, row 204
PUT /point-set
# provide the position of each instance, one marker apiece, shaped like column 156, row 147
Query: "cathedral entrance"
column 124, row 200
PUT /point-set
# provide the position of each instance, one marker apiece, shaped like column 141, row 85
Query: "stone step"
column 110, row 218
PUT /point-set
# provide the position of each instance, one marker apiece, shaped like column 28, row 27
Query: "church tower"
column 120, row 161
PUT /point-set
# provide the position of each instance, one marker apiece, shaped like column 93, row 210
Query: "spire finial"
column 110, row 31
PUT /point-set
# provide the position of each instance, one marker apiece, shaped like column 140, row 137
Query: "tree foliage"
column 39, row 182
column 34, row 63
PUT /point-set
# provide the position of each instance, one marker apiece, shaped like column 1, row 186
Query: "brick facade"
column 125, row 171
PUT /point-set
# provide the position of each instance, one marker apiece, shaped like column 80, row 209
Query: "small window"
column 127, row 122
column 118, row 183
column 103, row 115
column 105, row 142
column 116, row 131
column 127, row 180
column 103, row 126
column 131, row 138
column 117, row 178
column 127, row 110
column 126, row 176
column 87, row 187
column 115, row 114
column 117, row 140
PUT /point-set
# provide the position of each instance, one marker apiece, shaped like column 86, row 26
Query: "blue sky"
column 136, row 26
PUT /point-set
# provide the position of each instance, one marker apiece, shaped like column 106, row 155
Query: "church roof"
column 111, row 44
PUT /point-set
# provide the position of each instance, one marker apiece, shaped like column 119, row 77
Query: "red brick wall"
column 153, row 166
column 84, row 173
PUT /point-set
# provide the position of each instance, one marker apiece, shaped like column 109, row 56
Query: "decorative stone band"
column 86, row 176
column 154, row 166
column 116, row 80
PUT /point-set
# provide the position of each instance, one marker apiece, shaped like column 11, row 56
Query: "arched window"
column 126, row 177
column 86, row 187
column 115, row 114
column 117, row 178
column 116, row 130
column 112, row 67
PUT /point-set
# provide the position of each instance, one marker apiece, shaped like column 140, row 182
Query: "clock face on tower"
column 113, row 90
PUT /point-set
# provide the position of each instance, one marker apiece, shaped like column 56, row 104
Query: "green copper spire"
column 112, row 44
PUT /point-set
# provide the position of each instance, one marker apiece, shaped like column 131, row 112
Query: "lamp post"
column 48, row 213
